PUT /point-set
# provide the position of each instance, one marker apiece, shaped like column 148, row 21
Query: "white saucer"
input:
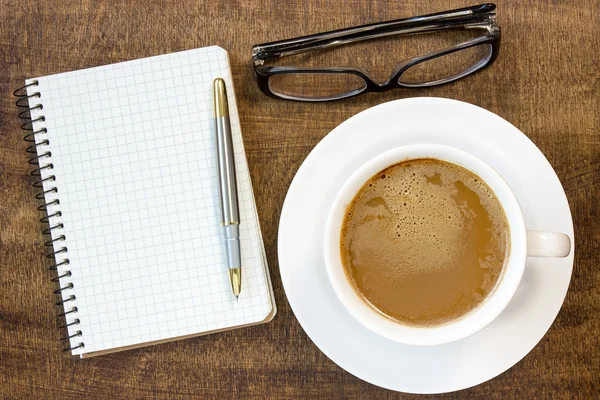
column 391, row 365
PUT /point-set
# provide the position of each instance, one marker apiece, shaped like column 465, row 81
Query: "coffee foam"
column 411, row 222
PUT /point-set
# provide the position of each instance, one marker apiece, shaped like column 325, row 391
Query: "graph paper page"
column 133, row 150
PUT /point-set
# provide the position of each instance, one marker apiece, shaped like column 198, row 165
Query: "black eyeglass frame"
column 477, row 17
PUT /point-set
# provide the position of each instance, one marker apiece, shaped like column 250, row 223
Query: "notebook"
column 127, row 168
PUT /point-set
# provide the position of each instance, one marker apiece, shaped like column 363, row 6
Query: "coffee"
column 424, row 242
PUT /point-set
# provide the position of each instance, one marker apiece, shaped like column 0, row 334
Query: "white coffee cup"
column 523, row 243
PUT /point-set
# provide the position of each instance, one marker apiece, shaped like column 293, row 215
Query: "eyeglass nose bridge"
column 391, row 82
column 371, row 85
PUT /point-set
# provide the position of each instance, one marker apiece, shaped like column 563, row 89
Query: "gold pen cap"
column 220, row 98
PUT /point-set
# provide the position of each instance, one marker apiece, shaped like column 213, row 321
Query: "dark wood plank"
column 546, row 82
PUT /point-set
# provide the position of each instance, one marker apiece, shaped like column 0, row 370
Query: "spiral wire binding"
column 41, row 160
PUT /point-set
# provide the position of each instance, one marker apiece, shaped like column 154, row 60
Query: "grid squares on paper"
column 133, row 152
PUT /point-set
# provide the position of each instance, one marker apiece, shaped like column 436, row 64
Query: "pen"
column 230, row 216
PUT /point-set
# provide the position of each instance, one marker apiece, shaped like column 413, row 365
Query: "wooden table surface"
column 546, row 82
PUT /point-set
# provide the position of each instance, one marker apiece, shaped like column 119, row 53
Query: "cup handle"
column 548, row 244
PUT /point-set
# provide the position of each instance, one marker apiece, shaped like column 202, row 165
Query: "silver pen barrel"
column 226, row 168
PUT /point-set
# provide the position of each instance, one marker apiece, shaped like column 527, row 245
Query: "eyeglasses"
column 335, row 83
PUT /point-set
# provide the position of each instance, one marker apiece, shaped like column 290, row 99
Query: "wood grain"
column 546, row 82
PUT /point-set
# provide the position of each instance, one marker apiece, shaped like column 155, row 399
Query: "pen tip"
column 237, row 297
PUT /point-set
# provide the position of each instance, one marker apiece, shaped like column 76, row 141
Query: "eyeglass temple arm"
column 474, row 16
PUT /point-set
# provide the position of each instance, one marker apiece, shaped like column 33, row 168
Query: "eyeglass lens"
column 448, row 67
column 316, row 85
